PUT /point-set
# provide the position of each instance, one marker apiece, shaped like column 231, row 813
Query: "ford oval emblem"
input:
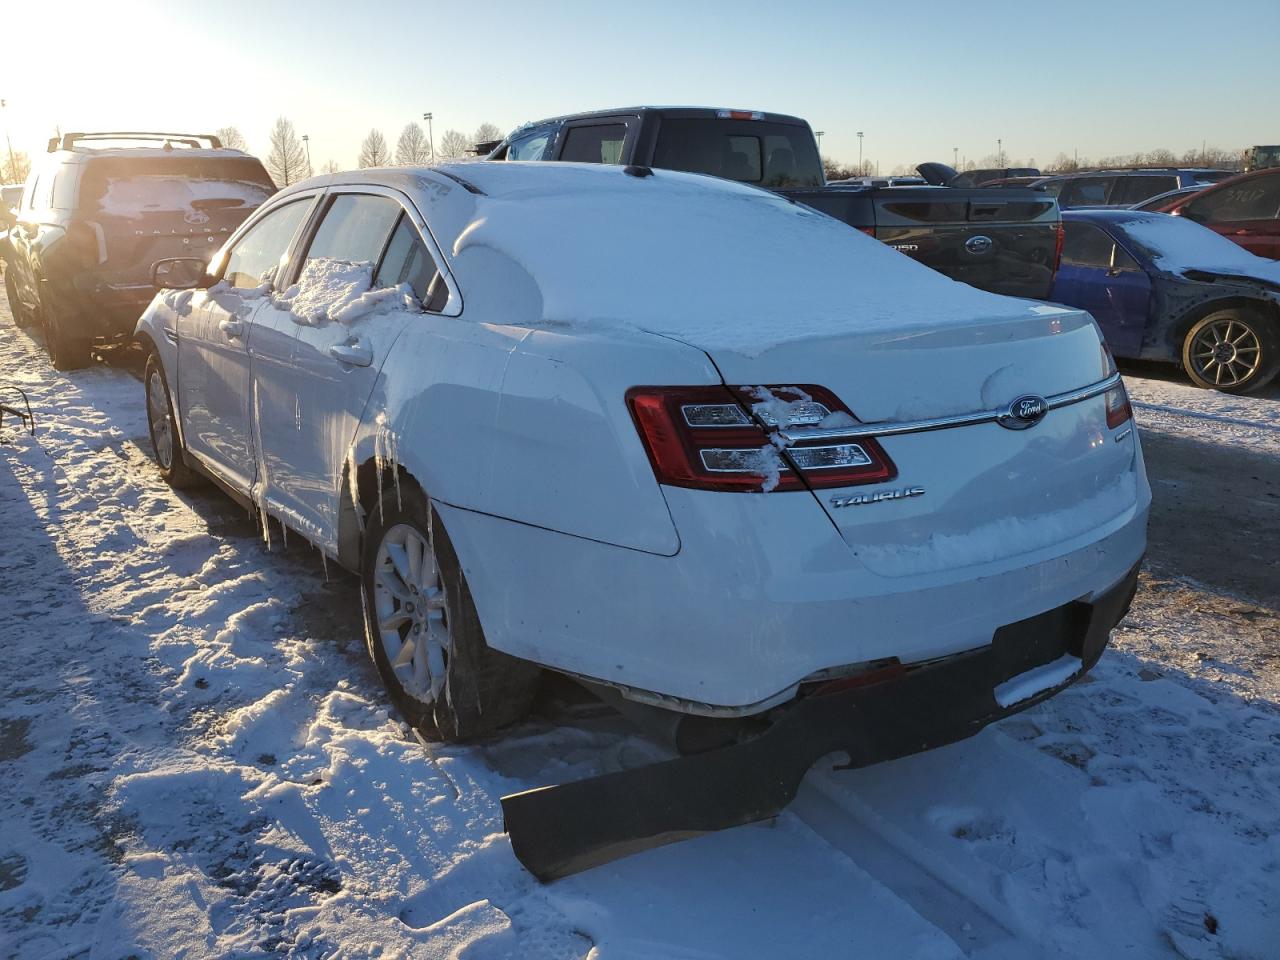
column 1024, row 412
column 979, row 245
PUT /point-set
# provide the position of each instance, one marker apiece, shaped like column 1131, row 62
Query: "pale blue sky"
column 918, row 79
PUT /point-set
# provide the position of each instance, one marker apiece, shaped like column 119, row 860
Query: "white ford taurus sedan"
column 674, row 436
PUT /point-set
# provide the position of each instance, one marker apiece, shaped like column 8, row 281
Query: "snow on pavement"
column 196, row 759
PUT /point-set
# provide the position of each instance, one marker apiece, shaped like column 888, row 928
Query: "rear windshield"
column 137, row 187
column 752, row 151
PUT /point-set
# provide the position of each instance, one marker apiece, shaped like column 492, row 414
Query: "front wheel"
column 1235, row 350
column 423, row 630
column 160, row 424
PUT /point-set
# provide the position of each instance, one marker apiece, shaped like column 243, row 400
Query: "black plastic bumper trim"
column 560, row 830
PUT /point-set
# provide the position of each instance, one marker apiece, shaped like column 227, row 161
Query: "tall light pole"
column 431, row 140
column 860, row 170
column 999, row 153
column 13, row 167
column 306, row 142
column 818, row 134
column 955, row 157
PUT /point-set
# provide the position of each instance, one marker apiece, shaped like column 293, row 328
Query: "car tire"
column 66, row 351
column 423, row 631
column 161, row 425
column 1235, row 350
column 20, row 315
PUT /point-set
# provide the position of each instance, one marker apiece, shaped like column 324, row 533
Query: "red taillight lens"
column 1118, row 409
column 722, row 438
column 83, row 239
column 1057, row 250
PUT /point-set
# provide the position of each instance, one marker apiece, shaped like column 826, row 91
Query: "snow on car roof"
column 1177, row 244
column 715, row 263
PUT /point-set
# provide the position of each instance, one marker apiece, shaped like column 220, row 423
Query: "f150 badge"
column 862, row 499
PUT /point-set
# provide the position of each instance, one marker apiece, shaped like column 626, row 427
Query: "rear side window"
column 407, row 260
column 355, row 228
column 751, row 151
column 601, row 143
column 1086, row 192
column 1084, row 245
column 1136, row 189
column 64, row 189
column 258, row 253
column 1255, row 199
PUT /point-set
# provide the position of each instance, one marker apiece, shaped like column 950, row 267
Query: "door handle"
column 352, row 352
column 232, row 328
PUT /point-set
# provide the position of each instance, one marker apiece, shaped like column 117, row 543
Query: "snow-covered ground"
column 196, row 760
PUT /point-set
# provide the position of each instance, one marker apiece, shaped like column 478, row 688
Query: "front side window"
column 1136, row 189
column 530, row 146
column 407, row 260
column 1084, row 245
column 1255, row 199
column 257, row 255
column 601, row 143
column 355, row 228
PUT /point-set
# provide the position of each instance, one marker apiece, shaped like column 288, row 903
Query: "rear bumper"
column 560, row 830
column 95, row 308
column 739, row 618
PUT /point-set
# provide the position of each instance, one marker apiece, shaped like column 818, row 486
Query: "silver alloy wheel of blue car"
column 1225, row 350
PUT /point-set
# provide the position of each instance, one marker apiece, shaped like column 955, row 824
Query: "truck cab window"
column 599, row 143
column 529, row 147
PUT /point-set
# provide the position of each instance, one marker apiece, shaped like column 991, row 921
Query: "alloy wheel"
column 412, row 619
column 1226, row 351
column 161, row 423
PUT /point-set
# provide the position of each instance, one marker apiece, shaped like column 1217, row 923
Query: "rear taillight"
column 727, row 438
column 1057, row 250
column 83, row 240
column 1118, row 409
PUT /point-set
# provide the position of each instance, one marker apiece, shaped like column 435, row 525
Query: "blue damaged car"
column 1165, row 288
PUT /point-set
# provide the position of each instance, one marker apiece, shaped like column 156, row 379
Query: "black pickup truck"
column 1000, row 239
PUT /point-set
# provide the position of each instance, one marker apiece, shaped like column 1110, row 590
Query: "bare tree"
column 286, row 160
column 17, row 171
column 411, row 148
column 837, row 171
column 231, row 137
column 487, row 131
column 330, row 166
column 453, row 144
column 374, row 152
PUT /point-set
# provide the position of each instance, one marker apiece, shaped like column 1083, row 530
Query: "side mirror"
column 179, row 273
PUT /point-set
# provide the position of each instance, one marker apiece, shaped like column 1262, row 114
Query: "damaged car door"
column 213, row 357
column 345, row 310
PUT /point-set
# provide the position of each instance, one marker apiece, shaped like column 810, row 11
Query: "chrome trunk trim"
column 886, row 428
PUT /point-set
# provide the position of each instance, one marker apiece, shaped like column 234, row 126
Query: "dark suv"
column 95, row 216
column 1121, row 188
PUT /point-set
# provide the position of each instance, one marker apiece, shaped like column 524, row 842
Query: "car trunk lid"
column 967, row 491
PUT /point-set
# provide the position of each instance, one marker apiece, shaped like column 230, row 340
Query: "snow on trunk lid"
column 969, row 494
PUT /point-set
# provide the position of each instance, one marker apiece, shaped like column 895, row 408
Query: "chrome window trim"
column 891, row 429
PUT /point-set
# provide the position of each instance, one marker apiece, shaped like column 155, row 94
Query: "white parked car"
column 671, row 435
